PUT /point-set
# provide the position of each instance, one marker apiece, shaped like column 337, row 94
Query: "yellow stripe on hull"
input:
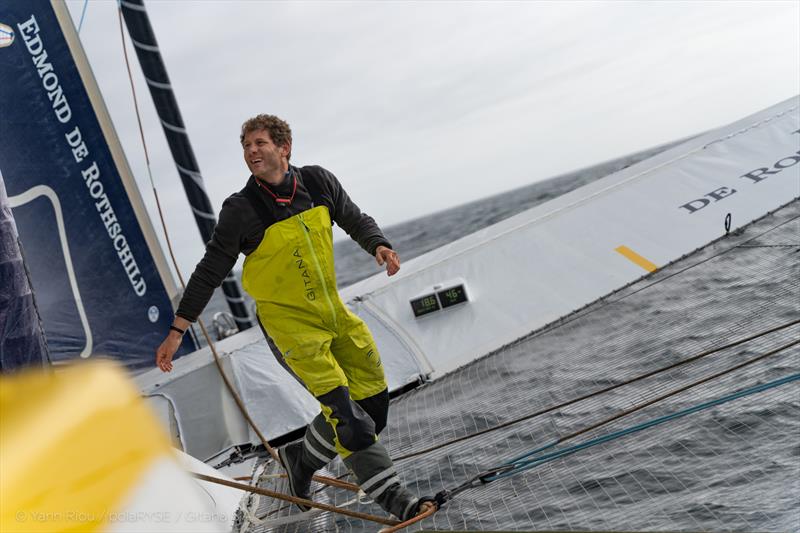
column 636, row 258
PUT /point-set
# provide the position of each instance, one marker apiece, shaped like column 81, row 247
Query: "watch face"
column 424, row 305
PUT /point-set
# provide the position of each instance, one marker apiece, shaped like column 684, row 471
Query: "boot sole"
column 284, row 462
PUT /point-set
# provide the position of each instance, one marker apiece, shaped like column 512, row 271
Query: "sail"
column 100, row 278
column 21, row 338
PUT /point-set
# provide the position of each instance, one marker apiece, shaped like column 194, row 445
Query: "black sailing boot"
column 302, row 459
column 399, row 501
column 377, row 477
column 299, row 474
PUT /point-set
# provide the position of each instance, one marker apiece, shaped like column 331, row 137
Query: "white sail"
column 102, row 282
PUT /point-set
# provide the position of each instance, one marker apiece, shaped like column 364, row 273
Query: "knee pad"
column 354, row 427
column 377, row 407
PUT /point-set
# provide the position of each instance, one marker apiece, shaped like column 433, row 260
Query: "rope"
column 536, row 461
column 295, row 500
column 332, row 482
column 770, row 246
column 678, row 391
column 526, row 462
column 593, row 394
column 248, row 506
column 418, row 518
column 228, row 384
column 211, row 344
column 83, row 14
column 146, row 153
column 360, row 498
column 396, row 525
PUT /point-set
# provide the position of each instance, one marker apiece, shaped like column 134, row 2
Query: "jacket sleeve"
column 220, row 257
column 361, row 227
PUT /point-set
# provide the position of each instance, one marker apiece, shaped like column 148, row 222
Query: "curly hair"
column 279, row 131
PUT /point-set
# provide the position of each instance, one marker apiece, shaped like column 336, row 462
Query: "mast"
column 155, row 73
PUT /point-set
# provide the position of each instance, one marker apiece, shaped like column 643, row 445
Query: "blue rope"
column 522, row 463
column 83, row 14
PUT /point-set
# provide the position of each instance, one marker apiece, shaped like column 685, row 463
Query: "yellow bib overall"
column 292, row 279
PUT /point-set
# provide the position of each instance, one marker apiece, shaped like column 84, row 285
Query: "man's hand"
column 171, row 344
column 384, row 255
column 167, row 350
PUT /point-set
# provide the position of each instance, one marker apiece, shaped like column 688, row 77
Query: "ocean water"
column 734, row 467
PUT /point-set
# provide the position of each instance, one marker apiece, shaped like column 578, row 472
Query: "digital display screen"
column 452, row 296
column 424, row 305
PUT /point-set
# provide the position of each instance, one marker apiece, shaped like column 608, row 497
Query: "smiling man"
column 282, row 221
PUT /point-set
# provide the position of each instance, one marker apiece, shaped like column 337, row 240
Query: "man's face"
column 263, row 157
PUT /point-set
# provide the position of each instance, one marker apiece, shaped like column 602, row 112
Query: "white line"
column 43, row 190
column 209, row 216
column 158, row 84
column 310, row 448
column 196, row 176
column 322, row 442
column 176, row 129
column 380, row 476
column 146, row 47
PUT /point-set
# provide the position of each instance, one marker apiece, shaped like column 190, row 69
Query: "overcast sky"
column 420, row 106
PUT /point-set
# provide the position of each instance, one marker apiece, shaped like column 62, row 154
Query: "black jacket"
column 240, row 229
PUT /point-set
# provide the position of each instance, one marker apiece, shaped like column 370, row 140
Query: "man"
column 282, row 222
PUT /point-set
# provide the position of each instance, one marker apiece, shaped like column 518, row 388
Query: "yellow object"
column 73, row 445
column 292, row 279
column 636, row 258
